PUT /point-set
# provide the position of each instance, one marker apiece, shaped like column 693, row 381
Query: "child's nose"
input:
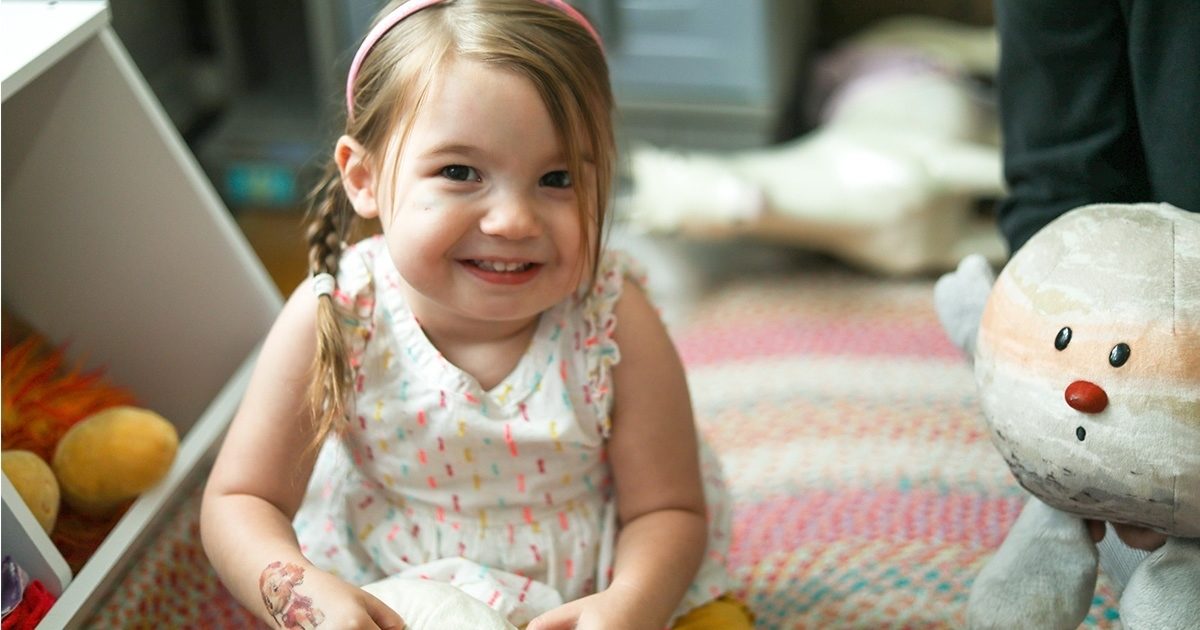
column 512, row 218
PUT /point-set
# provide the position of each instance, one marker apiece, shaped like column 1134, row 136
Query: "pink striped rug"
column 867, row 494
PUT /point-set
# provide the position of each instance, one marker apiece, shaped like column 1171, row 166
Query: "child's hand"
column 602, row 611
column 298, row 596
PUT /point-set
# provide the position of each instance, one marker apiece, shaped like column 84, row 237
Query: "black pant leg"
column 1164, row 53
column 1068, row 114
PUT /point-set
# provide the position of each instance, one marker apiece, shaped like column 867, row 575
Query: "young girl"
column 495, row 401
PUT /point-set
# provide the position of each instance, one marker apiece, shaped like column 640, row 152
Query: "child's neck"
column 488, row 351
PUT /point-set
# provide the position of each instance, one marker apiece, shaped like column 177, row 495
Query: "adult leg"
column 1164, row 55
column 1067, row 111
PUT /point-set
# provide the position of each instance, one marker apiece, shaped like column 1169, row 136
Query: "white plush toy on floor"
column 888, row 181
column 1087, row 360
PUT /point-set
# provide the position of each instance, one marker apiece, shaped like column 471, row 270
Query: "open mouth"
column 497, row 266
column 501, row 272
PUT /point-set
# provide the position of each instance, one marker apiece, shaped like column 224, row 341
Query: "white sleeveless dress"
column 505, row 493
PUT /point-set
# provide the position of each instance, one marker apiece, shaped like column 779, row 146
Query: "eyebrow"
column 458, row 148
column 453, row 148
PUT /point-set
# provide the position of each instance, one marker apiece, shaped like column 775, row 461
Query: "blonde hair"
column 553, row 51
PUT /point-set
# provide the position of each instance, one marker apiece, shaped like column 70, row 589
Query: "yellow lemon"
column 112, row 456
column 35, row 482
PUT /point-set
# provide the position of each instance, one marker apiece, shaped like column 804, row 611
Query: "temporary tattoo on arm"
column 288, row 608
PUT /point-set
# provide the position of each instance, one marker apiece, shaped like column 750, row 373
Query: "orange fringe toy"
column 42, row 399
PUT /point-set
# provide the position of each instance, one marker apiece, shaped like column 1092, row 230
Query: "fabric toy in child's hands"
column 1088, row 370
column 430, row 604
column 453, row 593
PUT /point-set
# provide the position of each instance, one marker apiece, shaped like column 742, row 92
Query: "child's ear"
column 358, row 180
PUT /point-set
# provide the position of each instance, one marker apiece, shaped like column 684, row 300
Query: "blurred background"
column 256, row 86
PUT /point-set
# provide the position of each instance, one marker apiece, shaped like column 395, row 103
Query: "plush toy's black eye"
column 1119, row 355
column 1063, row 338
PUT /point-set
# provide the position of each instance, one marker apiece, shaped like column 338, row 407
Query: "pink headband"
column 412, row 6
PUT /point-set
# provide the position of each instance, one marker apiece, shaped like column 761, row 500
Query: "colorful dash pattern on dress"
column 865, row 491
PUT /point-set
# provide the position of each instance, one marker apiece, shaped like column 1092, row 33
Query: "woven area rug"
column 867, row 494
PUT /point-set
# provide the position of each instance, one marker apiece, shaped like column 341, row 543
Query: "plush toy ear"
column 959, row 298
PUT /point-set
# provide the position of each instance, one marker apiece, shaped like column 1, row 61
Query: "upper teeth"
column 492, row 265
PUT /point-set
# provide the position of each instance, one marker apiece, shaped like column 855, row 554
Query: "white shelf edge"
column 36, row 34
column 116, row 554
column 184, row 156
column 45, row 563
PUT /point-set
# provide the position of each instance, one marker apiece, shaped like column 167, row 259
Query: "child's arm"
column 258, row 482
column 656, row 468
column 660, row 499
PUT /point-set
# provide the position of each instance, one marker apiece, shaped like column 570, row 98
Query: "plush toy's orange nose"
column 1086, row 397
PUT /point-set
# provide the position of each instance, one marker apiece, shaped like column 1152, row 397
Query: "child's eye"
column 460, row 173
column 556, row 179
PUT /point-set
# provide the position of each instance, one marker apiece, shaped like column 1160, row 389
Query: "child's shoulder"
column 361, row 258
column 365, row 250
column 358, row 267
column 614, row 269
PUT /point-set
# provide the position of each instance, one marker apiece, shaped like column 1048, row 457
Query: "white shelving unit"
column 113, row 239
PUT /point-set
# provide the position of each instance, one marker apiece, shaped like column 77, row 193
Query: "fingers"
column 1131, row 535
column 382, row 614
column 561, row 618
column 1140, row 537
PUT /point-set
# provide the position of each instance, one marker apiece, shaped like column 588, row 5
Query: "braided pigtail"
column 330, row 221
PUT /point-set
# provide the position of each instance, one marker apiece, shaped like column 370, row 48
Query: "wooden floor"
column 277, row 236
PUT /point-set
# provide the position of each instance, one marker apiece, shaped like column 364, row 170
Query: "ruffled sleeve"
column 354, row 296
column 600, row 326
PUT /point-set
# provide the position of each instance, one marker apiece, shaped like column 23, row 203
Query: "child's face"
column 484, row 225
